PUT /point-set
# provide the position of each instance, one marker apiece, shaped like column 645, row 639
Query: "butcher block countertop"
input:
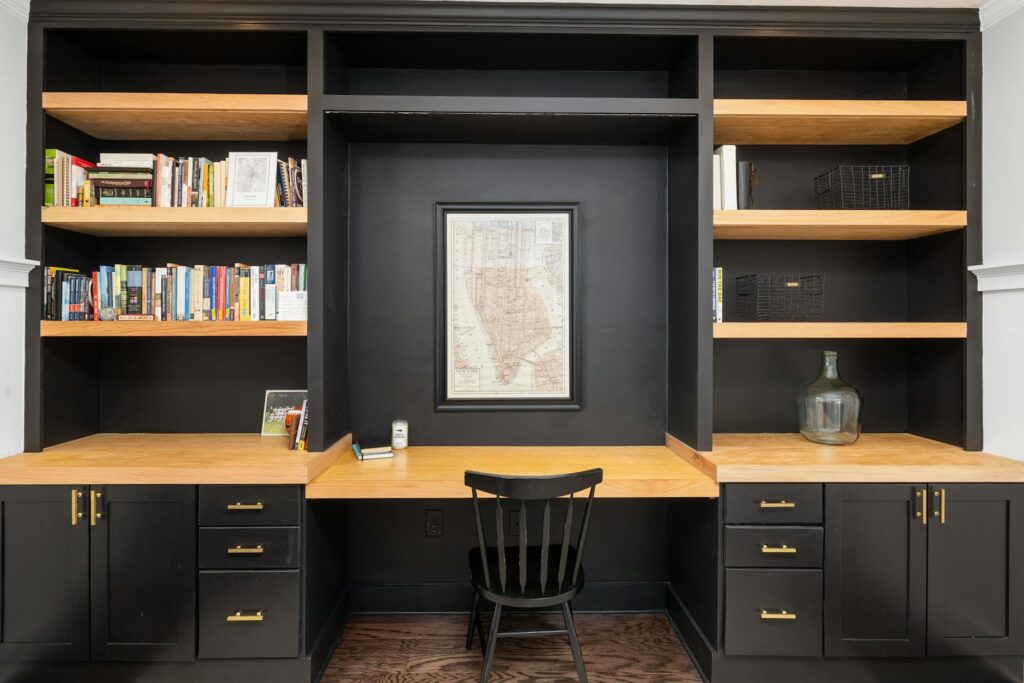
column 874, row 458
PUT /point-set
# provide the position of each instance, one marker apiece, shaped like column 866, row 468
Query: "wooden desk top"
column 438, row 471
column 875, row 458
column 169, row 459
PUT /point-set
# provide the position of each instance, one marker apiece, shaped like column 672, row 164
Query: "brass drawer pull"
column 779, row 615
column 94, row 512
column 922, row 513
column 245, row 506
column 778, row 550
column 76, row 495
column 239, row 617
column 941, row 512
column 769, row 505
column 239, row 550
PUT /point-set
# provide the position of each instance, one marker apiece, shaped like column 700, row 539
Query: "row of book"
column 131, row 179
column 733, row 181
column 717, row 289
column 218, row 293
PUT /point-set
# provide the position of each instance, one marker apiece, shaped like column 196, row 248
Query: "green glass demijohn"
column 828, row 407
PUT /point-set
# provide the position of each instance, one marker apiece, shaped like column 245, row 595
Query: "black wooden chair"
column 528, row 576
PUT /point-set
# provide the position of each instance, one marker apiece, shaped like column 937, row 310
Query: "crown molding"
column 994, row 11
column 18, row 7
column 999, row 278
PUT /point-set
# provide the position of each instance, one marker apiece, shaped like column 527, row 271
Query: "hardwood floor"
column 431, row 649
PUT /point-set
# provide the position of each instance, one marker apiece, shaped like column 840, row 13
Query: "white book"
column 719, row 289
column 125, row 158
column 730, row 193
column 270, row 302
column 717, row 180
column 254, row 293
column 179, row 275
column 305, row 183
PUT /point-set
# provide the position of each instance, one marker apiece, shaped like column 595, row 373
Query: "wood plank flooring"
column 431, row 649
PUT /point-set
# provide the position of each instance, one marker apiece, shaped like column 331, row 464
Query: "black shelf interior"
column 107, row 60
column 515, row 65
column 831, row 68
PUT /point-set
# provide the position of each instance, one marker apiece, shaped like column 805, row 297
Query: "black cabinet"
column 923, row 570
column 142, row 560
column 45, row 569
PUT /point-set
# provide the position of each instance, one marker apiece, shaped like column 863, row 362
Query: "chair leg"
column 492, row 645
column 480, row 630
column 473, row 613
column 574, row 643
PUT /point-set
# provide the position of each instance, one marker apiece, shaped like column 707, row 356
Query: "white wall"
column 13, row 51
column 1003, row 149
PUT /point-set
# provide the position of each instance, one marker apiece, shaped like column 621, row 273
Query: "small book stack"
column 372, row 448
column 734, row 180
column 65, row 177
column 120, row 180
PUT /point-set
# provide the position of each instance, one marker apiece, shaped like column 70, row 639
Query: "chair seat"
column 533, row 596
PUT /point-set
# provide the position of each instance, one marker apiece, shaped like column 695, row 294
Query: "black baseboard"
column 204, row 671
column 597, row 596
column 329, row 636
column 920, row 670
column 693, row 639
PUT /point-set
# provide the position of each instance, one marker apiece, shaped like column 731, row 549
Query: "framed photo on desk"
column 507, row 305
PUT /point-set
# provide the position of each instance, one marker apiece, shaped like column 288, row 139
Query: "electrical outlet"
column 433, row 524
column 513, row 522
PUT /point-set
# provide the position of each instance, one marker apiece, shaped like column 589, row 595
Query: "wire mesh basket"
column 780, row 298
column 864, row 187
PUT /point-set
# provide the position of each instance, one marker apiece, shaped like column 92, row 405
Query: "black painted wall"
column 621, row 191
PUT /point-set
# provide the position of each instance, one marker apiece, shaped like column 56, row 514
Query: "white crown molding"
column 999, row 278
column 18, row 7
column 994, row 11
column 14, row 271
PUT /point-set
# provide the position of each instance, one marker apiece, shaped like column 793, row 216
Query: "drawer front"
column 773, row 503
column 272, row 547
column 263, row 608
column 249, row 505
column 773, row 546
column 773, row 612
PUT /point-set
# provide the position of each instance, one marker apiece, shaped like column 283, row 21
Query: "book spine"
column 270, row 293
column 729, row 194
column 743, row 189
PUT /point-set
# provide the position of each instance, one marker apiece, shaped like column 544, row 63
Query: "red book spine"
column 221, row 312
column 94, row 289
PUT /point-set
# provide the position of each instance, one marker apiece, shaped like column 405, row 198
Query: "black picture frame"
column 442, row 402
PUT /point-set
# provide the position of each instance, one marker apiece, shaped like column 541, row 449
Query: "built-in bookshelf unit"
column 622, row 119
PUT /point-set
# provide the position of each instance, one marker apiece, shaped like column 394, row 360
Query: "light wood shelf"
column 874, row 458
column 840, row 330
column 833, row 122
column 177, row 328
column 180, row 116
column 147, row 221
column 834, row 225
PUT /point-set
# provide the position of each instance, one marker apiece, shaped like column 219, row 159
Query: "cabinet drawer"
column 773, row 504
column 272, row 547
column 249, row 505
column 248, row 614
column 773, row 546
column 773, row 612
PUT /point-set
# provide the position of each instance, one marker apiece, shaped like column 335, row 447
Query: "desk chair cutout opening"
column 526, row 576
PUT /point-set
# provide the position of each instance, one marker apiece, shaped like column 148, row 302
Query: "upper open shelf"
column 834, row 224
column 833, row 122
column 797, row 330
column 180, row 116
column 146, row 221
column 172, row 328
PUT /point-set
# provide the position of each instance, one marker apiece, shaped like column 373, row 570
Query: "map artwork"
column 507, row 305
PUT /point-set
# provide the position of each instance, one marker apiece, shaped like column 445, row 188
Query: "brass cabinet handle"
column 94, row 513
column 766, row 505
column 75, row 514
column 922, row 514
column 778, row 550
column 777, row 615
column 941, row 512
column 245, row 506
column 239, row 617
column 239, row 550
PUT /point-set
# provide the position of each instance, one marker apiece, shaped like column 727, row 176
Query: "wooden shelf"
column 180, row 116
column 171, row 459
column 148, row 328
column 840, row 330
column 146, row 221
column 835, row 225
column 833, row 122
column 874, row 458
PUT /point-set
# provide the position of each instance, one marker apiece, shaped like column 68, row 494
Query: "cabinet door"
column 45, row 596
column 875, row 581
column 976, row 570
column 143, row 563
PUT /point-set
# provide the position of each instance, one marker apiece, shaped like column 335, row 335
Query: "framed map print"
column 506, row 300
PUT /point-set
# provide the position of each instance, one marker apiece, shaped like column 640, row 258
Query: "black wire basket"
column 780, row 298
column 864, row 187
